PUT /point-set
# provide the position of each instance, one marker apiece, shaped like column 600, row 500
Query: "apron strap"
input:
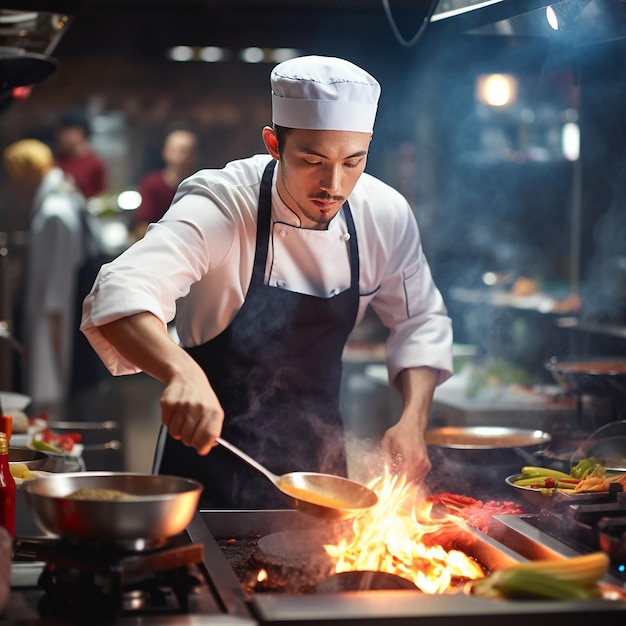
column 263, row 225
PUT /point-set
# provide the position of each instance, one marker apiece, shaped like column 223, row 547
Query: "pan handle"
column 114, row 444
column 528, row 458
column 107, row 425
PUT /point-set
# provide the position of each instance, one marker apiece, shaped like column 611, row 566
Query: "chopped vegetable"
column 49, row 441
column 575, row 578
column 583, row 467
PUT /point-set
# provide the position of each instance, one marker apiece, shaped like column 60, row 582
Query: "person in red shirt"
column 75, row 156
column 157, row 189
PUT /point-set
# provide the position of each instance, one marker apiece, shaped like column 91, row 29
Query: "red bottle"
column 7, row 488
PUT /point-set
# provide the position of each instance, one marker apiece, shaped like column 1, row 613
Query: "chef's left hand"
column 403, row 444
column 404, row 450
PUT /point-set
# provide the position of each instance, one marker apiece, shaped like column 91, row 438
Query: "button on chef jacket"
column 195, row 265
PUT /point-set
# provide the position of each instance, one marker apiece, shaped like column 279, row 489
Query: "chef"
column 267, row 265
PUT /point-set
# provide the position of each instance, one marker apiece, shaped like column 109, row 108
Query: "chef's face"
column 317, row 170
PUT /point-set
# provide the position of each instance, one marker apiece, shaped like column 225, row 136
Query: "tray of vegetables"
column 586, row 480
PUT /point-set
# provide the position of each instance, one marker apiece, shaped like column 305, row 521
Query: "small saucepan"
column 117, row 507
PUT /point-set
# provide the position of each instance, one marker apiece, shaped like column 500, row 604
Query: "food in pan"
column 585, row 477
column 93, row 493
column 20, row 470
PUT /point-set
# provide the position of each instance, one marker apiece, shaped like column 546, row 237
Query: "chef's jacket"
column 195, row 265
column 55, row 249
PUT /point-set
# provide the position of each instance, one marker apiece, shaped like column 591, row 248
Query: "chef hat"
column 323, row 93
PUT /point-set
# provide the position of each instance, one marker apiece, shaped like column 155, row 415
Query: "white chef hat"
column 323, row 93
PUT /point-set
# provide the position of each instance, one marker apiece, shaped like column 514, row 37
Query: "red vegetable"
column 65, row 441
column 549, row 482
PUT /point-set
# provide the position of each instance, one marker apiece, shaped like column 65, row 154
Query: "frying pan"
column 321, row 495
column 160, row 507
column 594, row 376
column 485, row 445
column 33, row 459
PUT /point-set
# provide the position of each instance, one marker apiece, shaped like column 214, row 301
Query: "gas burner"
column 111, row 579
column 364, row 581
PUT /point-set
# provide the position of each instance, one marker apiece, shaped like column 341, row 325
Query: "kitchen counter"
column 514, row 406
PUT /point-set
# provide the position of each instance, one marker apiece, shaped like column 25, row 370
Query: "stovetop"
column 223, row 600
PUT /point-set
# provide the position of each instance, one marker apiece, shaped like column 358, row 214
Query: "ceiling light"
column 252, row 55
column 284, row 54
column 212, row 54
column 564, row 15
column 496, row 90
column 180, row 53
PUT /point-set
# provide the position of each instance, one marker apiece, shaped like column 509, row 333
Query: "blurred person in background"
column 6, row 553
column 180, row 157
column 55, row 250
column 75, row 156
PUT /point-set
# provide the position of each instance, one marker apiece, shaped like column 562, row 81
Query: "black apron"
column 276, row 371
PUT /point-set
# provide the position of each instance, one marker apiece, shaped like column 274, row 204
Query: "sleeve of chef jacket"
column 406, row 298
column 157, row 270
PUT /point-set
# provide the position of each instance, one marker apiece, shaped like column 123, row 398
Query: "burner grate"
column 111, row 579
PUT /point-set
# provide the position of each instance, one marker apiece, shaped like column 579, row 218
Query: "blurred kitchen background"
column 502, row 122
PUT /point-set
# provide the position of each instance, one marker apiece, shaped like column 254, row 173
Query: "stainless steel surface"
column 321, row 495
column 232, row 606
column 33, row 459
column 398, row 606
column 520, row 535
column 161, row 506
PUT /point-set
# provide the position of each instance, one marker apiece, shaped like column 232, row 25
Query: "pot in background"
column 592, row 375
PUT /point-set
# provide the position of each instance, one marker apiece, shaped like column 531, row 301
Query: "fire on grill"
column 408, row 540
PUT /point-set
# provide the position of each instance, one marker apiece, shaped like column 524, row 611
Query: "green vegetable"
column 584, row 467
column 515, row 583
column 532, row 470
column 44, row 447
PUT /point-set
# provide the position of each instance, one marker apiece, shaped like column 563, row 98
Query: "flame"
column 399, row 536
column 261, row 576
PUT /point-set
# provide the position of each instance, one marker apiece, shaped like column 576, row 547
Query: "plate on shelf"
column 12, row 400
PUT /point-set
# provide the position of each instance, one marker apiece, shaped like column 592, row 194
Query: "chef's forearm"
column 143, row 340
column 417, row 386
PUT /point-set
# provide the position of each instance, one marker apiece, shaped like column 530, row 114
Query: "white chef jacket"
column 55, row 250
column 195, row 265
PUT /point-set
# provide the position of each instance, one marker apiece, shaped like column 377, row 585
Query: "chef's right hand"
column 189, row 407
column 191, row 411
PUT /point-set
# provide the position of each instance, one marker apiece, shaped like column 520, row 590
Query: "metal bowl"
column 33, row 459
column 160, row 506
